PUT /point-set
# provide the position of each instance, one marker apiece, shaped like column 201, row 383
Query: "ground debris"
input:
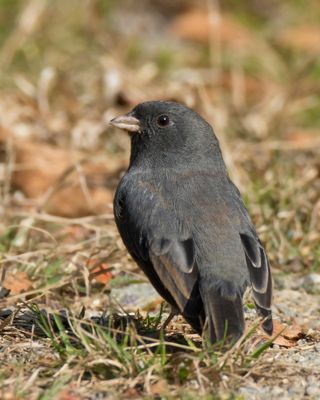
column 37, row 322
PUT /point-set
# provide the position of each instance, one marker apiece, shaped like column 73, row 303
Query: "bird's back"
column 182, row 205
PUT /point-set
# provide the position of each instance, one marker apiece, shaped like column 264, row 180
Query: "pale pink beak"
column 126, row 122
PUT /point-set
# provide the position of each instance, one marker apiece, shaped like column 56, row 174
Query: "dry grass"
column 66, row 69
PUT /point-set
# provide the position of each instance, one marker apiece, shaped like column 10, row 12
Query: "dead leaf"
column 254, row 88
column 71, row 202
column 67, row 394
column 73, row 234
column 38, row 166
column 44, row 170
column 159, row 387
column 303, row 139
column 283, row 342
column 100, row 272
column 293, row 332
column 302, row 38
column 132, row 393
column 17, row 282
column 285, row 335
column 198, row 25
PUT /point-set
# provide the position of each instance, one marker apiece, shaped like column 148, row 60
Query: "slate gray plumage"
column 184, row 223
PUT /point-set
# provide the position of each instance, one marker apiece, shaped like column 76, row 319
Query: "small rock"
column 287, row 311
column 313, row 390
column 311, row 283
column 250, row 393
column 136, row 296
column 296, row 284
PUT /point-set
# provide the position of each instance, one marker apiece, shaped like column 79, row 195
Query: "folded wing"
column 155, row 240
column 260, row 276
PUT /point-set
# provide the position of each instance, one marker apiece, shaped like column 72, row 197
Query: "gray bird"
column 183, row 221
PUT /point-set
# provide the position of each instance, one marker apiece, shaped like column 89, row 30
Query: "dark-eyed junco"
column 184, row 223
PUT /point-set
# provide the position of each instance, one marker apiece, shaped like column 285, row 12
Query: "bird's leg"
column 174, row 311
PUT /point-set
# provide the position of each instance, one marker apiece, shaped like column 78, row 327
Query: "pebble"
column 136, row 296
column 313, row 390
column 311, row 283
column 287, row 311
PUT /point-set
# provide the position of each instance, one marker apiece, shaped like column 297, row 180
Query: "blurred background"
column 251, row 68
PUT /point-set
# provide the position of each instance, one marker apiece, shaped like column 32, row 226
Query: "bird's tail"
column 260, row 277
column 262, row 300
column 224, row 314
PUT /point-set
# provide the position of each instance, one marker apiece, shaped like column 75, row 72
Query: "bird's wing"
column 260, row 276
column 257, row 262
column 174, row 263
column 238, row 258
column 160, row 245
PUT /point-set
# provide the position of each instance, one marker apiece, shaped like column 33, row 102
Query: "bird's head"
column 164, row 131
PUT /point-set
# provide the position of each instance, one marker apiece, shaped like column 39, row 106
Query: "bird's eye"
column 163, row 121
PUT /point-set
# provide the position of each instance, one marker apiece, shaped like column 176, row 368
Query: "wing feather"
column 260, row 276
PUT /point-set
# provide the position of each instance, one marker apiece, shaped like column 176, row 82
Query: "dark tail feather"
column 225, row 316
column 197, row 322
column 263, row 304
column 266, row 314
column 260, row 276
column 193, row 312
